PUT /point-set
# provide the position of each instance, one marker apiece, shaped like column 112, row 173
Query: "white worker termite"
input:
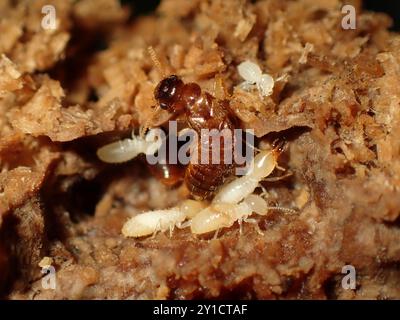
column 234, row 202
column 127, row 149
column 150, row 222
column 253, row 76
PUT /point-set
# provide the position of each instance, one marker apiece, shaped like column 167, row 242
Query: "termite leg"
column 255, row 222
column 240, row 226
column 264, row 192
column 280, row 168
column 260, row 92
column 158, row 228
column 216, row 234
column 250, row 220
column 182, row 225
column 259, row 230
column 154, row 234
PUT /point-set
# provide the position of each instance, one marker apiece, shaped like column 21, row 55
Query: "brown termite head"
column 167, row 93
column 175, row 96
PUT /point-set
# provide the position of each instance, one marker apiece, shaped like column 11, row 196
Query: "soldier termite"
column 199, row 111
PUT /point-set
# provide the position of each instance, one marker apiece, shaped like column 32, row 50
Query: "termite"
column 253, row 76
column 151, row 222
column 127, row 149
column 199, row 110
column 235, row 201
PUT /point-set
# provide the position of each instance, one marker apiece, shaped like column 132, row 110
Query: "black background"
column 391, row 7
column 140, row 309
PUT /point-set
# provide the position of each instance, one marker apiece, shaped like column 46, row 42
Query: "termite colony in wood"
column 217, row 202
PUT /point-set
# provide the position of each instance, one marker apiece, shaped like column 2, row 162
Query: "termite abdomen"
column 204, row 176
column 203, row 180
column 169, row 174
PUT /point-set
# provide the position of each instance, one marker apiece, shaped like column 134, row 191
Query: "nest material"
column 64, row 93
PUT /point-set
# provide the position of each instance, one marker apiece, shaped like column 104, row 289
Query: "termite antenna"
column 254, row 148
column 156, row 61
column 288, row 210
column 219, row 88
column 216, row 234
column 147, row 124
column 274, row 179
column 157, row 109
